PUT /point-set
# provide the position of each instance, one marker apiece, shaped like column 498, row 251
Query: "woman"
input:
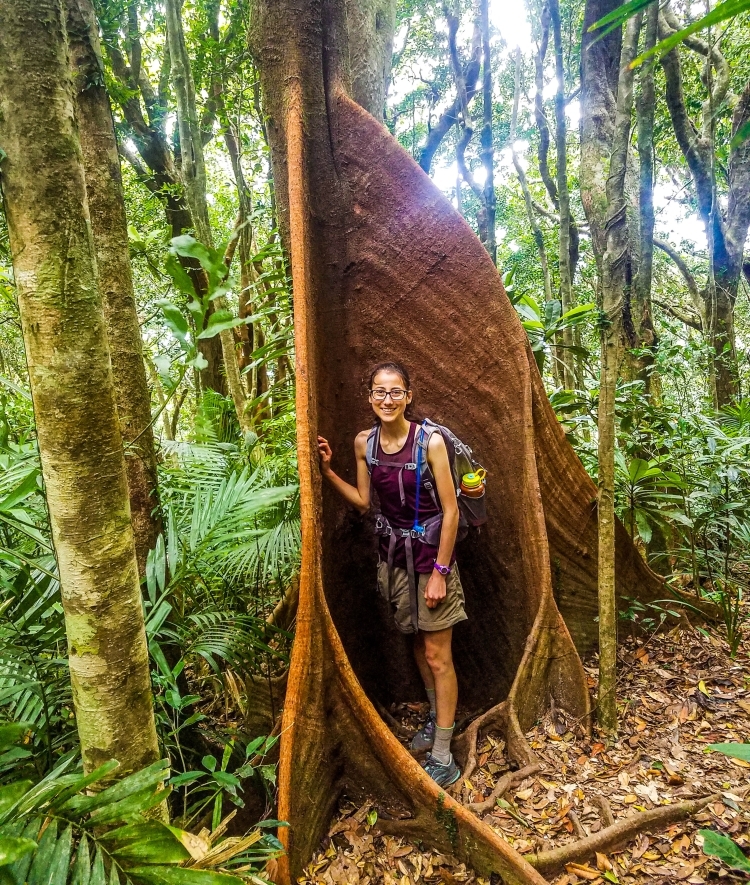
column 436, row 602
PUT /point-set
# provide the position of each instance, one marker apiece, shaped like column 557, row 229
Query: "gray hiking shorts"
column 448, row 613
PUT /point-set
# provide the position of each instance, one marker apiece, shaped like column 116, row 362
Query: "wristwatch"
column 443, row 569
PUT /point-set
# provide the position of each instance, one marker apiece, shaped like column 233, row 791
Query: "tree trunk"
column 616, row 287
column 640, row 365
column 64, row 332
column 487, row 151
column 382, row 264
column 563, row 195
column 110, row 229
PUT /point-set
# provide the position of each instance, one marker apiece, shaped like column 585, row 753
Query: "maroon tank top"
column 385, row 481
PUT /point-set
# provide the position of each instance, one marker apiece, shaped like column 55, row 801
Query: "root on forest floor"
column 502, row 787
column 616, row 835
column 665, row 726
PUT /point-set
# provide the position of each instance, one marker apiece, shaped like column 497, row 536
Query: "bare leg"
column 439, row 659
column 424, row 667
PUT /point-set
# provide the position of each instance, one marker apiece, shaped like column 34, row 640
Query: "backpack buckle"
column 410, row 466
column 417, row 531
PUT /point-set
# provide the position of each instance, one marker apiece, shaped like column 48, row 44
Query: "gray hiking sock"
column 441, row 749
column 431, row 699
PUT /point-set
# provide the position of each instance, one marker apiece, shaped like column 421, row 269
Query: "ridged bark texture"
column 110, row 227
column 384, row 267
column 79, row 437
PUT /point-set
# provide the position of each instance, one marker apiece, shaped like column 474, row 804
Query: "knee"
column 439, row 659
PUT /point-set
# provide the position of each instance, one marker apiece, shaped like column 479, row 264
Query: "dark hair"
column 397, row 368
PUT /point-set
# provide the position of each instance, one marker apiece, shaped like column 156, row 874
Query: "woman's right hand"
column 325, row 453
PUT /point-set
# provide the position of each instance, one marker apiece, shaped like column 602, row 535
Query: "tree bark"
column 563, row 195
column 726, row 230
column 616, row 286
column 80, row 446
column 382, row 264
column 109, row 223
column 161, row 177
column 644, row 337
column 487, row 151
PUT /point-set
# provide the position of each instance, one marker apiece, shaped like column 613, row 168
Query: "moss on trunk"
column 64, row 330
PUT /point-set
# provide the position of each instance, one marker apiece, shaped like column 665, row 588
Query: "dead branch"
column 577, row 825
column 606, row 840
column 502, row 786
column 605, row 812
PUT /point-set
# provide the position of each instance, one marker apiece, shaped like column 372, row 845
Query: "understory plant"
column 84, row 830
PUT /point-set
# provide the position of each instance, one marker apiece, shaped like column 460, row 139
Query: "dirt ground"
column 678, row 692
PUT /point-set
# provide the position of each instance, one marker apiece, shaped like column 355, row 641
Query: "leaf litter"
column 678, row 692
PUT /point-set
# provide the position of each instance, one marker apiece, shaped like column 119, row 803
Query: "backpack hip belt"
column 384, row 528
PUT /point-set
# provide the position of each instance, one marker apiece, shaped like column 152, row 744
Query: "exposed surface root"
column 502, row 786
column 465, row 745
column 617, row 834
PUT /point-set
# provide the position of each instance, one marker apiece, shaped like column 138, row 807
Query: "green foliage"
column 74, row 828
column 717, row 845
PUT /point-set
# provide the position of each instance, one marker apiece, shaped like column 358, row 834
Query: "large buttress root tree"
column 383, row 267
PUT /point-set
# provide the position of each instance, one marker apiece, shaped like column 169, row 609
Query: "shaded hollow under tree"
column 384, row 267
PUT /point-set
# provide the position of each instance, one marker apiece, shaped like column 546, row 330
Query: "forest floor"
column 679, row 691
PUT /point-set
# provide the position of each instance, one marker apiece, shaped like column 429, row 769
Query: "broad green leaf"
column 154, row 774
column 57, row 873
column 81, row 782
column 82, row 864
column 98, row 875
column 211, row 260
column 11, row 794
column 161, row 875
column 618, row 16
column 723, row 11
column 725, row 849
column 175, row 320
column 152, row 842
column 26, row 487
column 43, row 858
column 644, row 526
column 737, row 751
column 179, row 275
column 13, row 848
column 133, row 806
column 219, row 321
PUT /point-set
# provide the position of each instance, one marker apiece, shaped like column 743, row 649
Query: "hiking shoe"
column 425, row 737
column 443, row 775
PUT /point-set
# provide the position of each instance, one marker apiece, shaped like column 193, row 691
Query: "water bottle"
column 472, row 484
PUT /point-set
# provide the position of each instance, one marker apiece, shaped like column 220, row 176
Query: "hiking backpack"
column 472, row 511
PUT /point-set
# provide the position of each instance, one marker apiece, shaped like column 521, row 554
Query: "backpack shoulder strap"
column 373, row 440
column 422, row 440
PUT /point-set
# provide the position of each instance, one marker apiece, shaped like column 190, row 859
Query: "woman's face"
column 389, row 410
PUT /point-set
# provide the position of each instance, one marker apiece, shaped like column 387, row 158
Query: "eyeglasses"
column 380, row 393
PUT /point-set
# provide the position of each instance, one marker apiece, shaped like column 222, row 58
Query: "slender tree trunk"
column 641, row 366
column 109, row 224
column 192, row 163
column 563, row 195
column 529, row 203
column 487, row 151
column 64, row 330
column 616, row 285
